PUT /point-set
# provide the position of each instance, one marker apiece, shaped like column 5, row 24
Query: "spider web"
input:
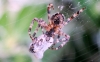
column 77, row 31
column 75, row 28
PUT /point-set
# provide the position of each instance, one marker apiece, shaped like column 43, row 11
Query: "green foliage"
column 14, row 39
column 17, row 31
column 19, row 58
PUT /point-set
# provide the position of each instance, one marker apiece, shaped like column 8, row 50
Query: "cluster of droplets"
column 61, row 7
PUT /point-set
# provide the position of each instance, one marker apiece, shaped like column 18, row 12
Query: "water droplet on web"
column 78, row 3
column 61, row 7
column 73, row 8
column 70, row 5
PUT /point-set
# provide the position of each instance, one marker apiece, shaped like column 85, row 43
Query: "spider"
column 52, row 29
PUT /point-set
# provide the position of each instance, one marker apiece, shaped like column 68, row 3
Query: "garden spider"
column 52, row 29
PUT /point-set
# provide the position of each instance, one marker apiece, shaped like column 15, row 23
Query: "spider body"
column 53, row 28
column 55, row 23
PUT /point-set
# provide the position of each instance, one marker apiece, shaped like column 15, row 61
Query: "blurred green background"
column 15, row 18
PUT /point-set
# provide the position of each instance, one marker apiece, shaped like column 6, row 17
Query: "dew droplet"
column 61, row 7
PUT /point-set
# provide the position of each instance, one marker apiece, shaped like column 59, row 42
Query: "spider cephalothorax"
column 53, row 28
column 55, row 23
column 57, row 18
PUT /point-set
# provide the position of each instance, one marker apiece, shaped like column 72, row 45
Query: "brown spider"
column 53, row 28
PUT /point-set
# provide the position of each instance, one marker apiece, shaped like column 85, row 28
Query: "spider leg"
column 64, row 41
column 73, row 16
column 36, row 30
column 48, row 9
column 42, row 30
column 40, row 22
column 30, row 27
